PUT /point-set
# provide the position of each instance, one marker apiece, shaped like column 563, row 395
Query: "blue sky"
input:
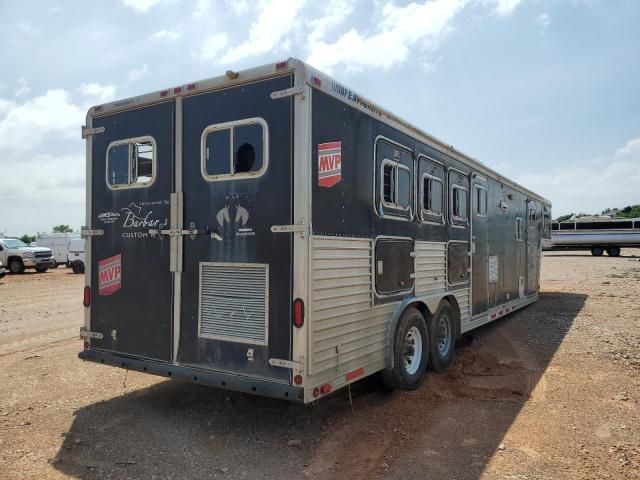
column 545, row 91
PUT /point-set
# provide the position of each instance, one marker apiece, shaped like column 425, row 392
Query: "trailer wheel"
column 596, row 251
column 442, row 336
column 410, row 352
column 613, row 251
column 16, row 266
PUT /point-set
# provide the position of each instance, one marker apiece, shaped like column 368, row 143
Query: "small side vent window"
column 396, row 185
column 432, row 195
column 459, row 203
column 480, row 200
column 235, row 150
column 519, row 229
column 131, row 163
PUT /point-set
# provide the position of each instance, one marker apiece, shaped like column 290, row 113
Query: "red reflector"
column 86, row 344
column 354, row 374
column 281, row 65
column 191, row 86
column 298, row 313
column 316, row 392
column 316, row 81
column 164, row 93
column 324, row 389
column 177, row 89
column 297, row 379
column 86, row 299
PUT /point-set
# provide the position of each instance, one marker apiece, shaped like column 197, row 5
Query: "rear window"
column 235, row 150
column 131, row 163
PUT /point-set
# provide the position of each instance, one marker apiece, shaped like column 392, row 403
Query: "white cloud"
column 170, row 35
column 142, row 6
column 544, row 20
column 504, row 7
column 239, row 7
column 94, row 92
column 275, row 20
column 213, row 45
column 202, row 8
column 137, row 73
column 400, row 29
column 591, row 186
column 335, row 13
column 28, row 28
column 24, row 126
column 24, row 88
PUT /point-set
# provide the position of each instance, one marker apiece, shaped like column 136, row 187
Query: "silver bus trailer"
column 595, row 234
column 273, row 232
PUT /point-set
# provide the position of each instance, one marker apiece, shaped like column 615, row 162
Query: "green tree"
column 564, row 217
column 62, row 229
column 26, row 238
column 630, row 211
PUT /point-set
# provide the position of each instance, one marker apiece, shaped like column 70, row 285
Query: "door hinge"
column 87, row 131
column 276, row 362
column 289, row 92
column 299, row 228
column 87, row 232
column 84, row 333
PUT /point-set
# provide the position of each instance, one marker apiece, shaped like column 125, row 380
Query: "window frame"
column 130, row 142
column 465, row 220
column 231, row 126
column 475, row 204
column 396, row 164
column 519, row 229
column 531, row 222
column 424, row 213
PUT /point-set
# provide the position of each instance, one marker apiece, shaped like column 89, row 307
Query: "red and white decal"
column 329, row 163
column 110, row 275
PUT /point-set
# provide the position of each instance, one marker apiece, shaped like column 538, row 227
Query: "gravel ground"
column 552, row 391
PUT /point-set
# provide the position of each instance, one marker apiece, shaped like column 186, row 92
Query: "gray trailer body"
column 198, row 271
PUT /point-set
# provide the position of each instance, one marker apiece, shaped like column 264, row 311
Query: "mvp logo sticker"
column 110, row 275
column 329, row 163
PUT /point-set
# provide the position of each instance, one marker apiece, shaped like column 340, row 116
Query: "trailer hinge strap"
column 85, row 232
column 276, row 362
column 86, row 131
column 290, row 228
column 289, row 92
column 84, row 333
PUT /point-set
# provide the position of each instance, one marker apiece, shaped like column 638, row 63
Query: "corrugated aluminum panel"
column 462, row 296
column 347, row 331
column 234, row 302
column 430, row 267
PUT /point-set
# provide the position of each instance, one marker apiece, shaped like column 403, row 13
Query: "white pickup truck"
column 18, row 256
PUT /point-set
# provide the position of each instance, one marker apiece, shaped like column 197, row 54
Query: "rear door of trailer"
column 237, row 183
column 217, row 295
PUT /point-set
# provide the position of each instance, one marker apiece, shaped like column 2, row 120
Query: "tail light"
column 86, row 299
column 298, row 313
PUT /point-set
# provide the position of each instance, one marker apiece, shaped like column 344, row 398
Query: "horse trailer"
column 271, row 231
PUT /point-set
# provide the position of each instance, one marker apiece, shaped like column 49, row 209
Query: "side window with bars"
column 458, row 198
column 131, row 163
column 431, row 190
column 479, row 200
column 394, row 180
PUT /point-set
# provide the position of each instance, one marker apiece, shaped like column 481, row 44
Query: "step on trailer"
column 273, row 232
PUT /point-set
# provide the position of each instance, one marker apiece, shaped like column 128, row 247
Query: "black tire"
column 16, row 265
column 613, row 251
column 54, row 265
column 77, row 267
column 40, row 269
column 410, row 337
column 442, row 336
column 597, row 251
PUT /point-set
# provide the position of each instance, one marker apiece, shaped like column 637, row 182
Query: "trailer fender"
column 427, row 305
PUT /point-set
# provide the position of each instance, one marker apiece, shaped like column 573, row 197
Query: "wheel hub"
column 444, row 335
column 412, row 350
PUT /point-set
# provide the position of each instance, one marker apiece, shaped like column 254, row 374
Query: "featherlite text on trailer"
column 273, row 232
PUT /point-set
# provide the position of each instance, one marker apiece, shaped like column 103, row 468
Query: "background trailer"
column 272, row 231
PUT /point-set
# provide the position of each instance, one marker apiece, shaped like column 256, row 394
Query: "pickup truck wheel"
column 596, row 251
column 41, row 269
column 410, row 353
column 613, row 252
column 16, row 266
